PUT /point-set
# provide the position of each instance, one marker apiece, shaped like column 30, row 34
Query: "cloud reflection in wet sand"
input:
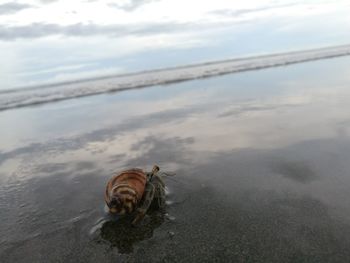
column 261, row 169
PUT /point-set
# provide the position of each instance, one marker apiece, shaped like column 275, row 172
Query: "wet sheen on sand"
column 262, row 163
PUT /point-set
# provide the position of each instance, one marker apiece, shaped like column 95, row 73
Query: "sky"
column 48, row 41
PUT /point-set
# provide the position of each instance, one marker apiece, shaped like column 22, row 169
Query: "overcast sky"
column 56, row 40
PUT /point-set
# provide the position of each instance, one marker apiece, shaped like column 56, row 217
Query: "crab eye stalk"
column 155, row 170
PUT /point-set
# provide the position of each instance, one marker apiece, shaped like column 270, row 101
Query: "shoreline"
column 10, row 99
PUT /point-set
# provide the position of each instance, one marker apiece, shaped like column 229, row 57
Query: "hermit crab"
column 133, row 191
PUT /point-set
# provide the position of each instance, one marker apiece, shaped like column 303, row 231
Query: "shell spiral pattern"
column 128, row 188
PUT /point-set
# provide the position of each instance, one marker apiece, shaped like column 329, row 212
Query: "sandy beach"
column 262, row 162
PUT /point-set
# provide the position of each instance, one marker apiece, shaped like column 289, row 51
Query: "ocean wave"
column 15, row 98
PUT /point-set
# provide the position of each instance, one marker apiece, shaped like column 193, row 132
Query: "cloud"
column 131, row 5
column 47, row 1
column 244, row 11
column 37, row 30
column 10, row 8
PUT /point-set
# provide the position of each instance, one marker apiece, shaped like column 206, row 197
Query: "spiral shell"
column 129, row 187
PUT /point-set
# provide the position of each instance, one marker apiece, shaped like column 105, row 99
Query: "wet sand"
column 262, row 163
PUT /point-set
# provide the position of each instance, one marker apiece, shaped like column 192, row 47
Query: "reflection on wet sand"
column 261, row 162
column 121, row 234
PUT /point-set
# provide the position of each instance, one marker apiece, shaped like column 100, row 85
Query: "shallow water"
column 261, row 161
column 15, row 98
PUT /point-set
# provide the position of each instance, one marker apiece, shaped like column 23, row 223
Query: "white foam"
column 61, row 91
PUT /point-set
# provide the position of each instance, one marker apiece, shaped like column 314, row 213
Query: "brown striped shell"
column 128, row 187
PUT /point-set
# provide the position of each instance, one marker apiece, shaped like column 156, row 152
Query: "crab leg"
column 145, row 203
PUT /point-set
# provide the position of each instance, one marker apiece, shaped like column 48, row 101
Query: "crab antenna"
column 168, row 173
